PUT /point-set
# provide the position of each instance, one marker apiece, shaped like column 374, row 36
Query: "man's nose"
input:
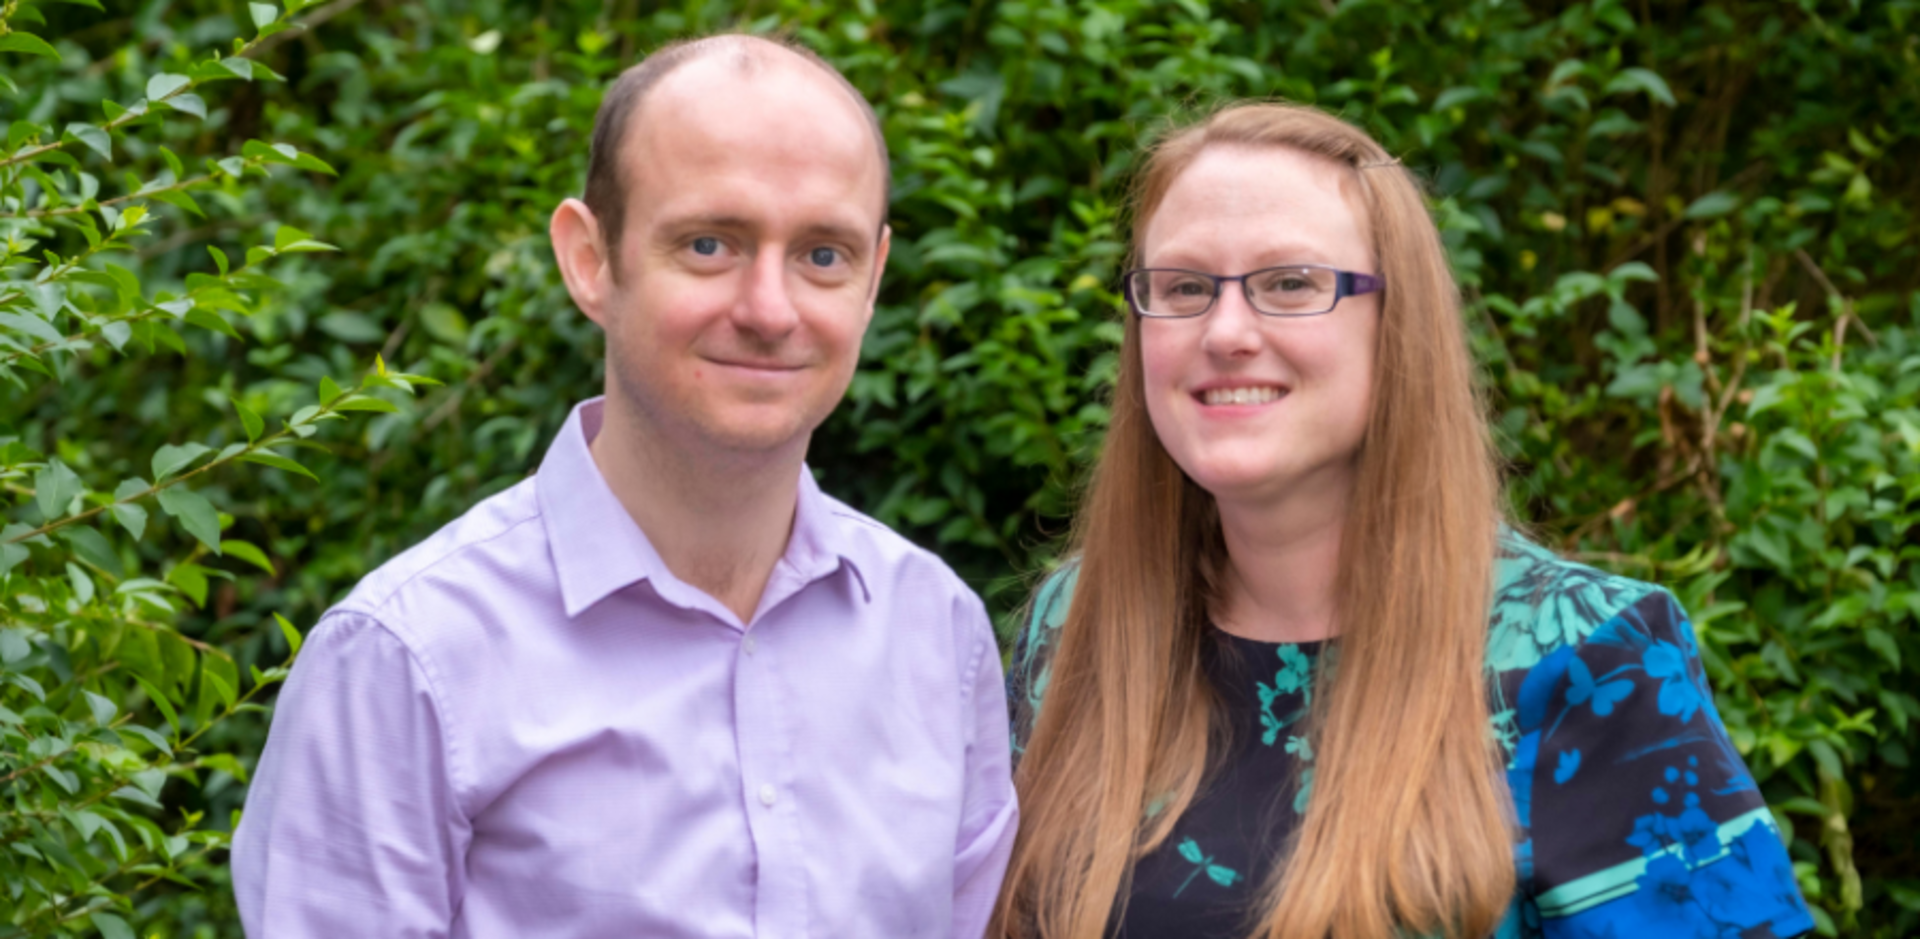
column 1233, row 325
column 765, row 306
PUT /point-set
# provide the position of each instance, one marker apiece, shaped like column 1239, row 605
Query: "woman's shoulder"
column 1047, row 611
column 1028, row 670
column 1543, row 602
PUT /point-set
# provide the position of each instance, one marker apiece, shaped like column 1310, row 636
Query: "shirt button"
column 767, row 795
column 747, row 644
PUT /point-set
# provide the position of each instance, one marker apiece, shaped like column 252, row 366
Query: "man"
column 665, row 687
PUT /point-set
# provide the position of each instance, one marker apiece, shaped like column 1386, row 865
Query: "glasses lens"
column 1292, row 290
column 1172, row 293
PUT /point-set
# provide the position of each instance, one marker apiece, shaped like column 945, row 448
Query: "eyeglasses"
column 1293, row 290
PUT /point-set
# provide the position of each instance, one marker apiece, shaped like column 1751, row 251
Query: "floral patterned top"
column 1638, row 818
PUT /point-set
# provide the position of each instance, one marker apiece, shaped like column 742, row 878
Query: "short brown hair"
column 606, row 194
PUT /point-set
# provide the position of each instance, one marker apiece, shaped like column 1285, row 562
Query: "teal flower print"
column 1303, row 751
column 1294, row 677
column 1219, row 874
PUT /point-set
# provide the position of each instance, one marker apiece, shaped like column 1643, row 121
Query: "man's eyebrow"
column 707, row 220
column 837, row 231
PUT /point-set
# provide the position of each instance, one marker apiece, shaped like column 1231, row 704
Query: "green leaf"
column 82, row 584
column 1640, row 79
column 288, row 235
column 160, row 701
column 29, row 44
column 103, row 709
column 292, row 634
column 1880, row 641
column 189, row 103
column 194, row 513
column 192, row 581
column 219, row 259
column 92, row 547
column 367, row 403
column 275, row 460
column 219, row 669
column 225, row 763
column 131, row 517
column 11, row 555
column 308, row 161
column 171, row 459
column 351, row 327
column 444, row 323
column 13, row 647
column 211, row 321
column 53, row 487
column 93, row 137
column 31, row 325
column 249, row 420
column 164, row 84
column 246, row 551
column 1713, row 205
column 241, row 68
column 262, row 13
column 1634, row 270
column 328, row 390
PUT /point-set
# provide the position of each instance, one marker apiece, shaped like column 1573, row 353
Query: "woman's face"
column 1255, row 408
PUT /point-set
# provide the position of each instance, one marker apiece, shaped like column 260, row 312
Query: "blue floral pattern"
column 1638, row 816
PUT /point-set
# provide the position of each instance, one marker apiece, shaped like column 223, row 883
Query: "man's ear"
column 879, row 265
column 585, row 263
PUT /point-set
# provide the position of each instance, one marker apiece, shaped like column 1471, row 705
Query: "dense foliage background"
column 1688, row 231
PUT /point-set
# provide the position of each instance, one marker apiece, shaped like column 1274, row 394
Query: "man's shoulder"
column 500, row 532
column 883, row 554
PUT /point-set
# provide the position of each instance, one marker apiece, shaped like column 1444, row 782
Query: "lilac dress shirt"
column 526, row 726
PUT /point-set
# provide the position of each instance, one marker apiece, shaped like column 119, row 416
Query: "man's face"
column 750, row 259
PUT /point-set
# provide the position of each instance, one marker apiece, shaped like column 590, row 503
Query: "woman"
column 1298, row 472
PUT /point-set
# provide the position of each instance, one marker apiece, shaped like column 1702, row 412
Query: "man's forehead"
column 710, row 109
column 736, row 69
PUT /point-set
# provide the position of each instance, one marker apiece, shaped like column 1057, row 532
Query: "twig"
column 1846, row 308
column 307, row 22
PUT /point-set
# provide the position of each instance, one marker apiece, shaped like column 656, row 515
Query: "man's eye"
column 823, row 257
column 706, row 246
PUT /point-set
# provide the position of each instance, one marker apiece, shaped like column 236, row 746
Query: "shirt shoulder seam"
column 443, row 714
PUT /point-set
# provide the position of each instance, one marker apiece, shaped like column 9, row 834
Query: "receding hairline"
column 748, row 55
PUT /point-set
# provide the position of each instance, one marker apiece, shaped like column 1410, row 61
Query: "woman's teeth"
column 1261, row 395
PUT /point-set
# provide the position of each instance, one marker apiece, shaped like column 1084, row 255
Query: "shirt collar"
column 598, row 549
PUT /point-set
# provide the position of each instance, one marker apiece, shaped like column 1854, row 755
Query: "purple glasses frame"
column 1345, row 284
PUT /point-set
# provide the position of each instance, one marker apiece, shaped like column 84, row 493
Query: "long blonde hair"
column 1408, row 826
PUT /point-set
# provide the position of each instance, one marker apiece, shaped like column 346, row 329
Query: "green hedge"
column 1687, row 230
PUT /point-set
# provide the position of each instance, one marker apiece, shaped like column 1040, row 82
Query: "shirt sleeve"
column 991, row 814
column 1645, row 821
column 351, row 826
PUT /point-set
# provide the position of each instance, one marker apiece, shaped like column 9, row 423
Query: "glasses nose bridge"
column 1220, row 282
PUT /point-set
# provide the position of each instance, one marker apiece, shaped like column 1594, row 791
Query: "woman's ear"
column 581, row 252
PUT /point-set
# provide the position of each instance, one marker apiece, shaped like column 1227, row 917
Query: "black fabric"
column 1243, row 816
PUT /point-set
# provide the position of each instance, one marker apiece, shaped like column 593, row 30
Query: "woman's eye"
column 706, row 246
column 1190, row 288
column 823, row 257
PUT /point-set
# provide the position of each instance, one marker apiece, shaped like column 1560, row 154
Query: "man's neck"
column 719, row 522
column 1285, row 560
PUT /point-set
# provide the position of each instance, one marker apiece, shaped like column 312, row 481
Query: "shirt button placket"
column 761, row 731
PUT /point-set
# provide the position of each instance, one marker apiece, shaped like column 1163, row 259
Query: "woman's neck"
column 1283, row 563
